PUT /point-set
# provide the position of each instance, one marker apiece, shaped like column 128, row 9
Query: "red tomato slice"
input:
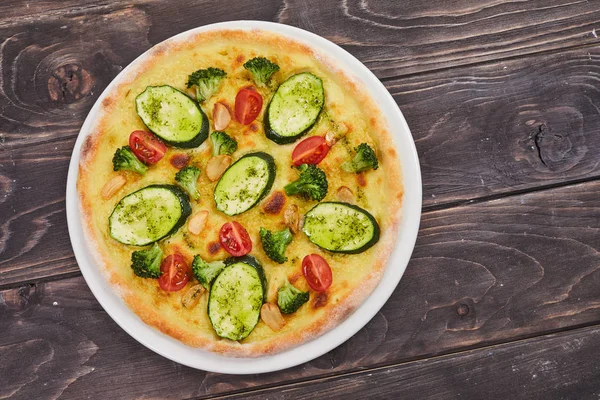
column 147, row 147
column 317, row 272
column 235, row 239
column 310, row 151
column 174, row 273
column 248, row 104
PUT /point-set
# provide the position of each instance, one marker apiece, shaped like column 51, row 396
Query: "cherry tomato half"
column 174, row 273
column 248, row 104
column 317, row 272
column 235, row 239
column 310, row 151
column 147, row 147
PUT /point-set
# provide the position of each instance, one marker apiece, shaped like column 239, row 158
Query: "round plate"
column 201, row 359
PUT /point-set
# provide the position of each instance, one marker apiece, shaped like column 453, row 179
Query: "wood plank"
column 480, row 274
column 391, row 38
column 480, row 131
column 561, row 366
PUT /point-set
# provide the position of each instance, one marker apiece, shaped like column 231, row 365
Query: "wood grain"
column 561, row 366
column 480, row 131
column 480, row 274
column 391, row 38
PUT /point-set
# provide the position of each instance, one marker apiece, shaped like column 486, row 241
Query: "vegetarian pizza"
column 240, row 192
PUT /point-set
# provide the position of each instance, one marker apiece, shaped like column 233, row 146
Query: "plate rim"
column 174, row 350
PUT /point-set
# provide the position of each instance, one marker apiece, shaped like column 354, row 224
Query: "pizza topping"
column 221, row 116
column 317, row 272
column 236, row 297
column 111, row 187
column 192, row 296
column 261, row 69
column 248, row 103
column 214, row 247
column 311, row 150
column 345, row 194
column 294, row 108
column 271, row 316
column 187, row 178
column 275, row 243
column 174, row 271
column 216, row 166
column 146, row 263
column 180, row 160
column 172, row 116
column 275, row 203
column 147, row 147
column 291, row 218
column 234, row 239
column 245, row 183
column 290, row 299
column 206, row 272
column 124, row 159
column 364, row 159
column 330, row 138
column 311, row 184
column 222, row 143
column 341, row 227
column 197, row 223
column 320, row 300
column 206, row 82
column 149, row 214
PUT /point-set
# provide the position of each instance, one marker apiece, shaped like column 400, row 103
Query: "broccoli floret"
column 146, row 263
column 206, row 272
column 312, row 183
column 222, row 143
column 364, row 159
column 187, row 178
column 125, row 159
column 261, row 69
column 289, row 299
column 275, row 243
column 206, row 81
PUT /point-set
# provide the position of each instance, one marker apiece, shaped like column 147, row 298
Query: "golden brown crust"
column 326, row 310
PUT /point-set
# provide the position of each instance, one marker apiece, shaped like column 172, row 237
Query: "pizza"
column 240, row 192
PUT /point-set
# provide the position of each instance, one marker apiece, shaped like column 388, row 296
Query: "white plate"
column 197, row 358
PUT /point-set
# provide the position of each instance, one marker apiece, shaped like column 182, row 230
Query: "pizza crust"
column 323, row 313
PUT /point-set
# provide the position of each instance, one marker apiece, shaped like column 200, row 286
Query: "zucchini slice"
column 341, row 227
column 245, row 183
column 294, row 108
column 173, row 116
column 149, row 214
column 236, row 296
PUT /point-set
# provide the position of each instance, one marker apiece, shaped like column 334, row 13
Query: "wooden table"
column 502, row 296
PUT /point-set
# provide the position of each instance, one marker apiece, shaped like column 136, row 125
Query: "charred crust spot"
column 362, row 181
column 87, row 146
column 214, row 247
column 320, row 300
column 180, row 160
column 275, row 203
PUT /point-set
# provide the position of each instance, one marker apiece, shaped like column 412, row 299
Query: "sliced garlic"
column 113, row 186
column 221, row 116
column 271, row 316
column 197, row 223
column 345, row 194
column 291, row 217
column 191, row 298
column 217, row 165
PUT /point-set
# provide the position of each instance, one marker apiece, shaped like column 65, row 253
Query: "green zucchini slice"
column 149, row 214
column 341, row 227
column 173, row 116
column 245, row 183
column 236, row 297
column 294, row 108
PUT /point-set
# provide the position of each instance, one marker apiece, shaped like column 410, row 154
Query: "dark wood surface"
column 503, row 100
